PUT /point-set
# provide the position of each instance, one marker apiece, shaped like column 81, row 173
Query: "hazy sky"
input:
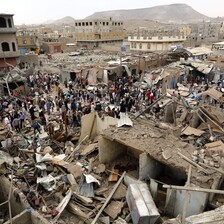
column 37, row 11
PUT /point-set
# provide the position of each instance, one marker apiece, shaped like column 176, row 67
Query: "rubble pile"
column 60, row 175
column 142, row 148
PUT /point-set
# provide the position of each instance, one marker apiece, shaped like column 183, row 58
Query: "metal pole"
column 108, row 199
column 197, row 189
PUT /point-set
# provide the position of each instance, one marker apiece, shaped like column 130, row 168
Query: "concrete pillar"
column 170, row 112
column 149, row 167
column 110, row 150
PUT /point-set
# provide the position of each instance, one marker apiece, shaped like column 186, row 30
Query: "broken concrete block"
column 211, row 163
column 89, row 149
column 48, row 149
column 100, row 168
column 120, row 192
column 114, row 209
column 166, row 154
column 195, row 158
column 105, row 220
column 141, row 204
column 76, row 170
column 195, row 153
column 120, row 221
column 72, row 181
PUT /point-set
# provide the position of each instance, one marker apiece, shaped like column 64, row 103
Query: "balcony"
column 9, row 54
column 7, row 30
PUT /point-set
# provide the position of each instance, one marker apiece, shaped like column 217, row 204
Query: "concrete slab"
column 114, row 209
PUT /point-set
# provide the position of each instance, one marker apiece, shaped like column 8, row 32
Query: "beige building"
column 155, row 43
column 27, row 41
column 8, row 47
column 93, row 33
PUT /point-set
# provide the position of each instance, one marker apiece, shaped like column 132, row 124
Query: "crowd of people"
column 72, row 99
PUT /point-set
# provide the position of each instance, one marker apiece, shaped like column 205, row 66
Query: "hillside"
column 175, row 13
column 68, row 20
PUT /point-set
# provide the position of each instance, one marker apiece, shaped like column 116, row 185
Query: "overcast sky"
column 37, row 11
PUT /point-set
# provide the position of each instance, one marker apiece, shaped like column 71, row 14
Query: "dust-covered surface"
column 146, row 137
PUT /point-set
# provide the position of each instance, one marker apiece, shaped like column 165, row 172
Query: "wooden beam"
column 108, row 199
column 186, row 197
column 214, row 122
column 192, row 163
column 69, row 158
column 197, row 189
column 91, row 130
column 151, row 105
column 212, row 168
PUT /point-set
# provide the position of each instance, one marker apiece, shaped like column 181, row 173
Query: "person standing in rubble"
column 16, row 124
column 157, row 111
column 48, row 107
column 36, row 127
column 123, row 107
column 31, row 110
column 28, row 125
column 151, row 98
column 66, row 83
column 22, row 118
column 73, row 105
column 43, row 119
column 7, row 124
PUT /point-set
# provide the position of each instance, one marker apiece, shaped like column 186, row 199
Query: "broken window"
column 5, row 46
column 2, row 22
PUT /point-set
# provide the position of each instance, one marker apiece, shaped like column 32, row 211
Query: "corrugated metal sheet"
column 124, row 120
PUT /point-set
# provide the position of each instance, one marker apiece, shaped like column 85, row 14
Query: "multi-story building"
column 8, row 46
column 27, row 41
column 205, row 33
column 93, row 33
column 155, row 43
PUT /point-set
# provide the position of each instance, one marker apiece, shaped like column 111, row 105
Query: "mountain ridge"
column 174, row 13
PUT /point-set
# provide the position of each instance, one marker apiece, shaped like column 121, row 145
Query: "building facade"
column 205, row 33
column 93, row 33
column 27, row 42
column 155, row 43
column 8, row 46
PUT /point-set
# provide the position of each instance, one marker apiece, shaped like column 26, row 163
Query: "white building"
column 155, row 43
